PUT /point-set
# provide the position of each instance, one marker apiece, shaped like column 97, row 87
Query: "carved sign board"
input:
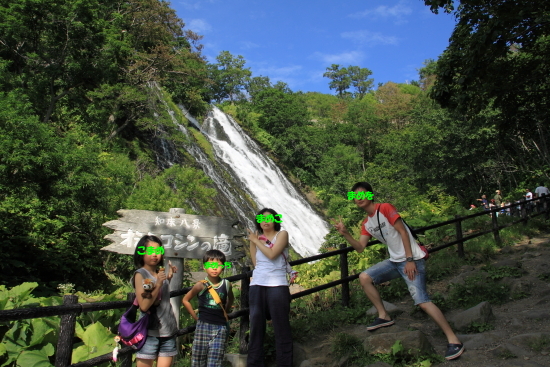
column 183, row 235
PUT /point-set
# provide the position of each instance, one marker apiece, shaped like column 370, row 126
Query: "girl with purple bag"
column 151, row 284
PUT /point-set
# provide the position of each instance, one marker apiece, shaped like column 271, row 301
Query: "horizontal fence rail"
column 70, row 309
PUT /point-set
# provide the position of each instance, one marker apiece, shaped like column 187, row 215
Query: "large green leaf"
column 40, row 330
column 98, row 340
column 3, row 297
column 22, row 291
column 35, row 358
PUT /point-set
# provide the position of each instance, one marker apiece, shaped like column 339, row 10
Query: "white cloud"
column 276, row 73
column 352, row 57
column 398, row 11
column 194, row 5
column 369, row 38
column 199, row 26
column 248, row 45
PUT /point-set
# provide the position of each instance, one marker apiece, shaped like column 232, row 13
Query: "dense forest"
column 79, row 122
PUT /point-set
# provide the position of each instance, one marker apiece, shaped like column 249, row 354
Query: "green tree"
column 257, row 84
column 360, row 80
column 427, row 74
column 499, row 58
column 229, row 76
column 53, row 199
column 280, row 110
column 340, row 79
column 172, row 189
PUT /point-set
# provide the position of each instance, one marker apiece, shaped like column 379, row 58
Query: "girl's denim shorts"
column 158, row 347
column 388, row 270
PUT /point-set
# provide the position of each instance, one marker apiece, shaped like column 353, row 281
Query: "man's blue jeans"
column 273, row 302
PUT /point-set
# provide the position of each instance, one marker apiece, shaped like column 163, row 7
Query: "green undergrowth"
column 322, row 312
column 348, row 350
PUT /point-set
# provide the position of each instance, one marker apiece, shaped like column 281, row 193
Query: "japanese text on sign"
column 360, row 195
column 270, row 218
column 179, row 243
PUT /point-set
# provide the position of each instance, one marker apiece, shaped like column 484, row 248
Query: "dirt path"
column 506, row 344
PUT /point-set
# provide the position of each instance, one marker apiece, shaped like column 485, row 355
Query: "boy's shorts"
column 388, row 270
column 158, row 347
column 208, row 344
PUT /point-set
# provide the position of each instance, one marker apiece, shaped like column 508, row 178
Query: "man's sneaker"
column 454, row 351
column 378, row 323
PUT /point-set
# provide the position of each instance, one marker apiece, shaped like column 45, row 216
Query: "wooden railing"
column 71, row 308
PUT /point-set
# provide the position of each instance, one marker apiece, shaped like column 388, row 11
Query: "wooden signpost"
column 183, row 236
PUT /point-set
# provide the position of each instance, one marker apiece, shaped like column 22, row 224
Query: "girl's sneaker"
column 378, row 323
column 454, row 351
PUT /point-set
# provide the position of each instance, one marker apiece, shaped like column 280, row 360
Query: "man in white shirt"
column 541, row 190
column 406, row 261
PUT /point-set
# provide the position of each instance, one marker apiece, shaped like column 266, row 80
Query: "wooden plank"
column 182, row 235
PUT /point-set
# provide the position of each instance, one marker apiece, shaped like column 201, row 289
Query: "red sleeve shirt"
column 386, row 209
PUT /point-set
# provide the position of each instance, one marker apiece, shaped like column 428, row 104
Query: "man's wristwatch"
column 410, row 259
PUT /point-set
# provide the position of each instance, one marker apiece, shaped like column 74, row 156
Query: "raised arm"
column 360, row 245
column 270, row 253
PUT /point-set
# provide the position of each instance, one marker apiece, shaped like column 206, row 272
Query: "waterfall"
column 260, row 177
column 239, row 169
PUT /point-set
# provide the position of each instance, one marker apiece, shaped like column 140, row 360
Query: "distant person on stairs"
column 406, row 261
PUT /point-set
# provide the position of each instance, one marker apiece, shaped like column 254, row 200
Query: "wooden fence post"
column 344, row 274
column 523, row 211
column 64, row 349
column 245, row 319
column 126, row 360
column 496, row 233
column 458, row 229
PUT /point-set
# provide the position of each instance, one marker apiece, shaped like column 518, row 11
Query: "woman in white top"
column 269, row 294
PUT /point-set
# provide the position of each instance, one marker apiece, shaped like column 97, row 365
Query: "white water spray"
column 264, row 182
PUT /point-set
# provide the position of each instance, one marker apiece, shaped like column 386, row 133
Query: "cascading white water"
column 264, row 182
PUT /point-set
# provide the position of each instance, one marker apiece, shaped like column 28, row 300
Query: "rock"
column 471, row 358
column 343, row 361
column 460, row 278
column 519, row 287
column 537, row 315
column 414, row 343
column 476, row 341
column 527, row 340
column 480, row 314
column 236, row 360
column 467, row 268
column 416, row 325
column 507, row 250
column 543, row 301
column 507, row 262
column 306, row 363
column 298, row 354
column 509, row 351
column 390, row 308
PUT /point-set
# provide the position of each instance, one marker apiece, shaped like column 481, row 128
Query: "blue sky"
column 295, row 41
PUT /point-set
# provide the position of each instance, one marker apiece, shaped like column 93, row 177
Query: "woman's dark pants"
column 273, row 301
